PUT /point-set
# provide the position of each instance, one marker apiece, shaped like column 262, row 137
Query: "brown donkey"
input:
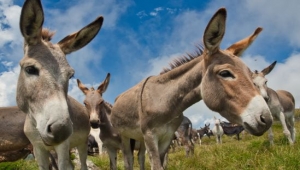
column 150, row 110
column 99, row 113
column 54, row 121
column 13, row 142
column 281, row 104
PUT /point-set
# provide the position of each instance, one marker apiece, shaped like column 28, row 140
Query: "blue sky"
column 139, row 38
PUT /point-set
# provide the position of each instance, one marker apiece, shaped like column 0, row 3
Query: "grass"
column 250, row 152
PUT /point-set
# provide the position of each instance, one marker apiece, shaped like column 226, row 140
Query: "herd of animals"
column 147, row 116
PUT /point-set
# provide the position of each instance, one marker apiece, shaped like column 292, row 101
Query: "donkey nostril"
column 49, row 129
column 266, row 99
column 262, row 119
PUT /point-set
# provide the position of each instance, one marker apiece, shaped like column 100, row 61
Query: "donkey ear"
column 269, row 68
column 31, row 21
column 81, row 38
column 214, row 31
column 239, row 47
column 103, row 86
column 82, row 87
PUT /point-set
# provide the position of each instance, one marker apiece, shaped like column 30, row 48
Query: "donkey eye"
column 226, row 74
column 32, row 70
column 72, row 76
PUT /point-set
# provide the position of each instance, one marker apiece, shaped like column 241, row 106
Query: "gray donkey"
column 280, row 102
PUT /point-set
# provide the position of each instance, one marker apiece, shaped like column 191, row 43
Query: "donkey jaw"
column 259, row 122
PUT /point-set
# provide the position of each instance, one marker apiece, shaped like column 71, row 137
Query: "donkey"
column 99, row 114
column 280, row 102
column 203, row 131
column 54, row 120
column 230, row 129
column 152, row 110
column 218, row 130
column 184, row 134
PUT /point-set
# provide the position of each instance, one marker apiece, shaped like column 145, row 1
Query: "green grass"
column 250, row 152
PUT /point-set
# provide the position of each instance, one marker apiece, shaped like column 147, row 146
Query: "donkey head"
column 260, row 81
column 44, row 76
column 227, row 86
column 206, row 127
column 94, row 101
column 217, row 121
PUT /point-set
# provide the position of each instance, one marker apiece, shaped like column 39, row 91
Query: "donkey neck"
column 218, row 127
column 273, row 98
column 183, row 84
column 104, row 114
column 201, row 132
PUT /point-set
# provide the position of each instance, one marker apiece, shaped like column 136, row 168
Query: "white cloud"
column 171, row 11
column 156, row 11
column 8, row 85
column 141, row 14
column 9, row 23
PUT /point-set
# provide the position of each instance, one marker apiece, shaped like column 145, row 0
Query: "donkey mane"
column 184, row 59
column 47, row 34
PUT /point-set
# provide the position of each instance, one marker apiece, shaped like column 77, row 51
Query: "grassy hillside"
column 249, row 153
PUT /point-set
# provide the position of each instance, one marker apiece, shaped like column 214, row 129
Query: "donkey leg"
column 112, row 153
column 187, row 149
column 42, row 157
column 286, row 131
column 271, row 136
column 192, row 148
column 100, row 145
column 163, row 150
column 63, row 155
column 82, row 150
column 141, row 155
column 199, row 139
column 290, row 122
column 164, row 159
column 127, row 153
column 151, row 144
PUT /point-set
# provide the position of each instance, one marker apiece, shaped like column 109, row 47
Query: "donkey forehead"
column 93, row 97
column 259, row 78
column 45, row 54
column 223, row 57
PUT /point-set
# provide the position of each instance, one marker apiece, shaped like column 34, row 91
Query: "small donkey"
column 99, row 114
